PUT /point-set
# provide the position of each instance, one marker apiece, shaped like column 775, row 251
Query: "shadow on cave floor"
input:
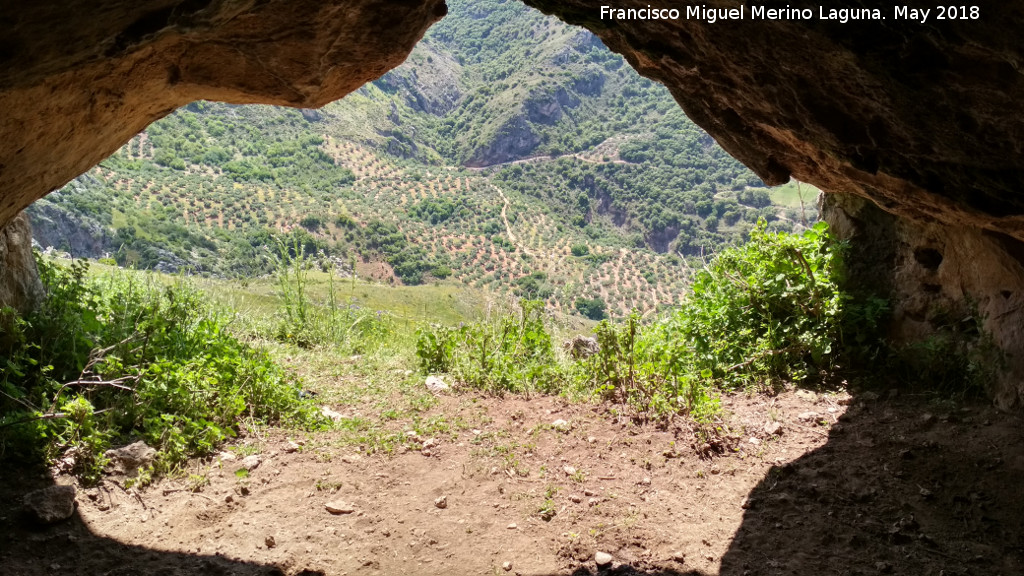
column 70, row 547
column 904, row 484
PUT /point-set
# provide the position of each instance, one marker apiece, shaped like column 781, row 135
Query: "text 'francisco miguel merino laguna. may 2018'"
column 755, row 12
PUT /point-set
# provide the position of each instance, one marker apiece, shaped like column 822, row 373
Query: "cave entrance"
column 206, row 190
column 562, row 488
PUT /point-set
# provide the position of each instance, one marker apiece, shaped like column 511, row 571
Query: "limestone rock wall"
column 80, row 236
column 20, row 287
column 955, row 280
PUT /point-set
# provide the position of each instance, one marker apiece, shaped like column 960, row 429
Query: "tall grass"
column 514, row 353
column 308, row 323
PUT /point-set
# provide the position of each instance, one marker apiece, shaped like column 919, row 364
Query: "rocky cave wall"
column 78, row 78
column 922, row 119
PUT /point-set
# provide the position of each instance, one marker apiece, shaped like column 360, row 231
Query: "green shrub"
column 771, row 308
column 435, row 210
column 312, row 222
column 435, row 348
column 956, row 358
column 593, row 308
column 123, row 357
column 512, row 354
column 627, row 369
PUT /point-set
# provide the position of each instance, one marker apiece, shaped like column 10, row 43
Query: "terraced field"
column 497, row 237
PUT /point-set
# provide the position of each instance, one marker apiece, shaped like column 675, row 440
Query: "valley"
column 536, row 166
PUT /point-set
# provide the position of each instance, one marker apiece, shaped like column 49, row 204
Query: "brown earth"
column 902, row 484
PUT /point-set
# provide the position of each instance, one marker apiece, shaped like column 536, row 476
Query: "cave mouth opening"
column 829, row 493
column 501, row 92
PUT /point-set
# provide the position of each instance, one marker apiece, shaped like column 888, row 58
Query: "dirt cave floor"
column 804, row 483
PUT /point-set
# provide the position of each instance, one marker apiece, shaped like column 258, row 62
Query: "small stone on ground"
column 51, row 504
column 436, row 384
column 252, row 462
column 339, row 508
column 334, row 416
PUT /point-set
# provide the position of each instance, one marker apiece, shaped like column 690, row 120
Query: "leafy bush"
column 435, row 211
column 628, row 369
column 125, row 357
column 768, row 310
column 955, row 358
column 534, row 286
column 441, row 272
column 312, row 222
column 579, row 250
column 593, row 308
column 409, row 262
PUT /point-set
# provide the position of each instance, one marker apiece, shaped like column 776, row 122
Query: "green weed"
column 351, row 329
column 511, row 354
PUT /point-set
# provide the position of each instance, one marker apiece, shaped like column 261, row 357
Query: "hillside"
column 510, row 152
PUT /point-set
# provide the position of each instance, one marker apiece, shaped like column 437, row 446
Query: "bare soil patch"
column 898, row 484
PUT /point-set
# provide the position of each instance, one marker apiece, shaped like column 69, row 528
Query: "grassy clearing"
column 438, row 302
column 790, row 194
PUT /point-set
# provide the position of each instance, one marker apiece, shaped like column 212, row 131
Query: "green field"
column 795, row 194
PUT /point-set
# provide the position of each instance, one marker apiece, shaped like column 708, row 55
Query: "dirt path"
column 508, row 227
column 900, row 485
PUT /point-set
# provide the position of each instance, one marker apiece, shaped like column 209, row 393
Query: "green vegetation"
column 409, row 262
column 124, row 356
column 306, row 323
column 671, row 191
column 771, row 310
column 512, row 354
column 593, row 308
column 120, row 356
